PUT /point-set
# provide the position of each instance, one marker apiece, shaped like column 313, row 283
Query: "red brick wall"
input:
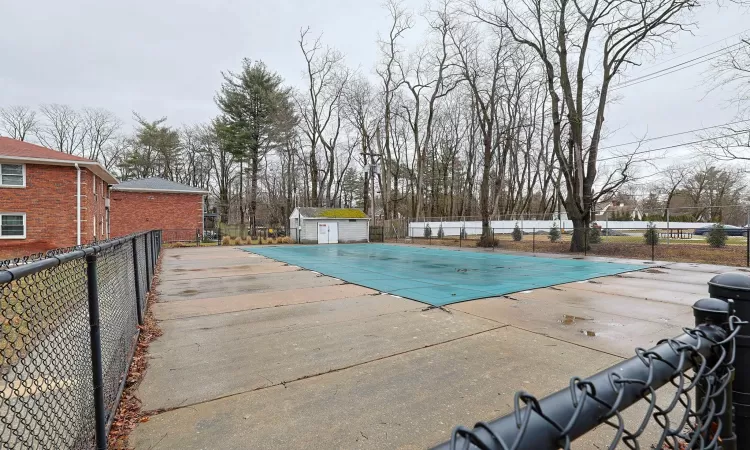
column 49, row 201
column 140, row 211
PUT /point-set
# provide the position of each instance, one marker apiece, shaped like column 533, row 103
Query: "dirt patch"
column 129, row 413
column 655, row 271
column 189, row 292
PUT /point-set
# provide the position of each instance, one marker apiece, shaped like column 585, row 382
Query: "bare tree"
column 100, row 128
column 62, row 128
column 401, row 21
column 18, row 121
column 562, row 34
column 319, row 108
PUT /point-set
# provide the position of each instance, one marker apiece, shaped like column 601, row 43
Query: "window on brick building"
column 12, row 226
column 12, row 175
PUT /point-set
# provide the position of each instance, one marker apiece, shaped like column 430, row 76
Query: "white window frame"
column 13, row 214
column 13, row 186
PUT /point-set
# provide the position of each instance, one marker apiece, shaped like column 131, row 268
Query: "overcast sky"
column 164, row 58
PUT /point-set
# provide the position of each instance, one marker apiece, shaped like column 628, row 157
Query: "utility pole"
column 373, row 170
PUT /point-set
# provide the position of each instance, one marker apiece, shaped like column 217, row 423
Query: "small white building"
column 328, row 225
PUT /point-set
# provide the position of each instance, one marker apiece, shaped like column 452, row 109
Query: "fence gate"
column 377, row 233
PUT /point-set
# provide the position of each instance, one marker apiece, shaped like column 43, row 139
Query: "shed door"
column 328, row 233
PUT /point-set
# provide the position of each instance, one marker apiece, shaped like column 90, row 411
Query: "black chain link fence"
column 683, row 387
column 69, row 330
column 728, row 246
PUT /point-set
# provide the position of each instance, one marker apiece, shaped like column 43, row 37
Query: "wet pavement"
column 259, row 354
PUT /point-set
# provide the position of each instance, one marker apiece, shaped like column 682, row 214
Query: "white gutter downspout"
column 78, row 205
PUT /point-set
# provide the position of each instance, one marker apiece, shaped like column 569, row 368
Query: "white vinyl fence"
column 416, row 229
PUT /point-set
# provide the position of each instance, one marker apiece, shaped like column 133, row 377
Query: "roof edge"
column 163, row 191
column 94, row 166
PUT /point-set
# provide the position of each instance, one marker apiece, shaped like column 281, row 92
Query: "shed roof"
column 15, row 151
column 156, row 184
column 331, row 213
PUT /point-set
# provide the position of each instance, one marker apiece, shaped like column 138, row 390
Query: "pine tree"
column 440, row 233
column 554, row 233
column 651, row 236
column 517, row 233
column 717, row 237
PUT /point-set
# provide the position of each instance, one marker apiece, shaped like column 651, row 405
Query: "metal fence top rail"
column 30, row 268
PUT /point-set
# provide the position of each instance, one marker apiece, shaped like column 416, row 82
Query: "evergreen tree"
column 651, row 236
column 517, row 234
column 257, row 115
column 717, row 237
column 554, row 233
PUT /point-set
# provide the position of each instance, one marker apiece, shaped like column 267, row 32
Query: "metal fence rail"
column 69, row 331
column 692, row 410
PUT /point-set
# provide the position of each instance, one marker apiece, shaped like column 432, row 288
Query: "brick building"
column 156, row 203
column 50, row 199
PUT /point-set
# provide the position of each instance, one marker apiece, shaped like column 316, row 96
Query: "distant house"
column 619, row 210
column 329, row 225
column 156, row 203
column 50, row 199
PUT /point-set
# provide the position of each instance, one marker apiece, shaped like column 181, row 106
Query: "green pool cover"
column 438, row 276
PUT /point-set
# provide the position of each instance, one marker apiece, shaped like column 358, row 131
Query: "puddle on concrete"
column 654, row 271
column 569, row 319
column 189, row 292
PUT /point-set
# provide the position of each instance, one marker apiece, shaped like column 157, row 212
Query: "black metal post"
column 747, row 248
column 218, row 236
column 460, row 237
column 147, row 244
column 585, row 240
column 138, row 293
column 653, row 235
column 197, row 238
column 97, row 372
column 708, row 312
column 533, row 240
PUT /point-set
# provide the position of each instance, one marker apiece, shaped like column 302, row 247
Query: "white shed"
column 328, row 225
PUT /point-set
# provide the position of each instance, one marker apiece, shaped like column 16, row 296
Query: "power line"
column 673, row 146
column 677, row 67
column 673, row 135
column 699, row 48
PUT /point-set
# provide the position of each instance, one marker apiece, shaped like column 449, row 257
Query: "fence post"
column 533, row 240
column 197, row 238
column 712, row 311
column 138, row 293
column 147, row 244
column 747, row 248
column 460, row 237
column 585, row 240
column 653, row 234
column 97, row 371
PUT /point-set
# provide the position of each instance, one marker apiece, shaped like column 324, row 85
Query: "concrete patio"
column 259, row 354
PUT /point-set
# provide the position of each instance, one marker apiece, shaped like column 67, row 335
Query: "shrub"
column 237, row 241
column 651, row 236
column 260, row 240
column 225, row 240
column 285, row 240
column 717, row 237
column 441, row 233
column 517, row 234
column 554, row 233
column 427, row 231
column 594, row 234
column 462, row 233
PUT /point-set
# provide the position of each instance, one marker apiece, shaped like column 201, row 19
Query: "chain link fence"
column 69, row 330
column 726, row 246
column 683, row 389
